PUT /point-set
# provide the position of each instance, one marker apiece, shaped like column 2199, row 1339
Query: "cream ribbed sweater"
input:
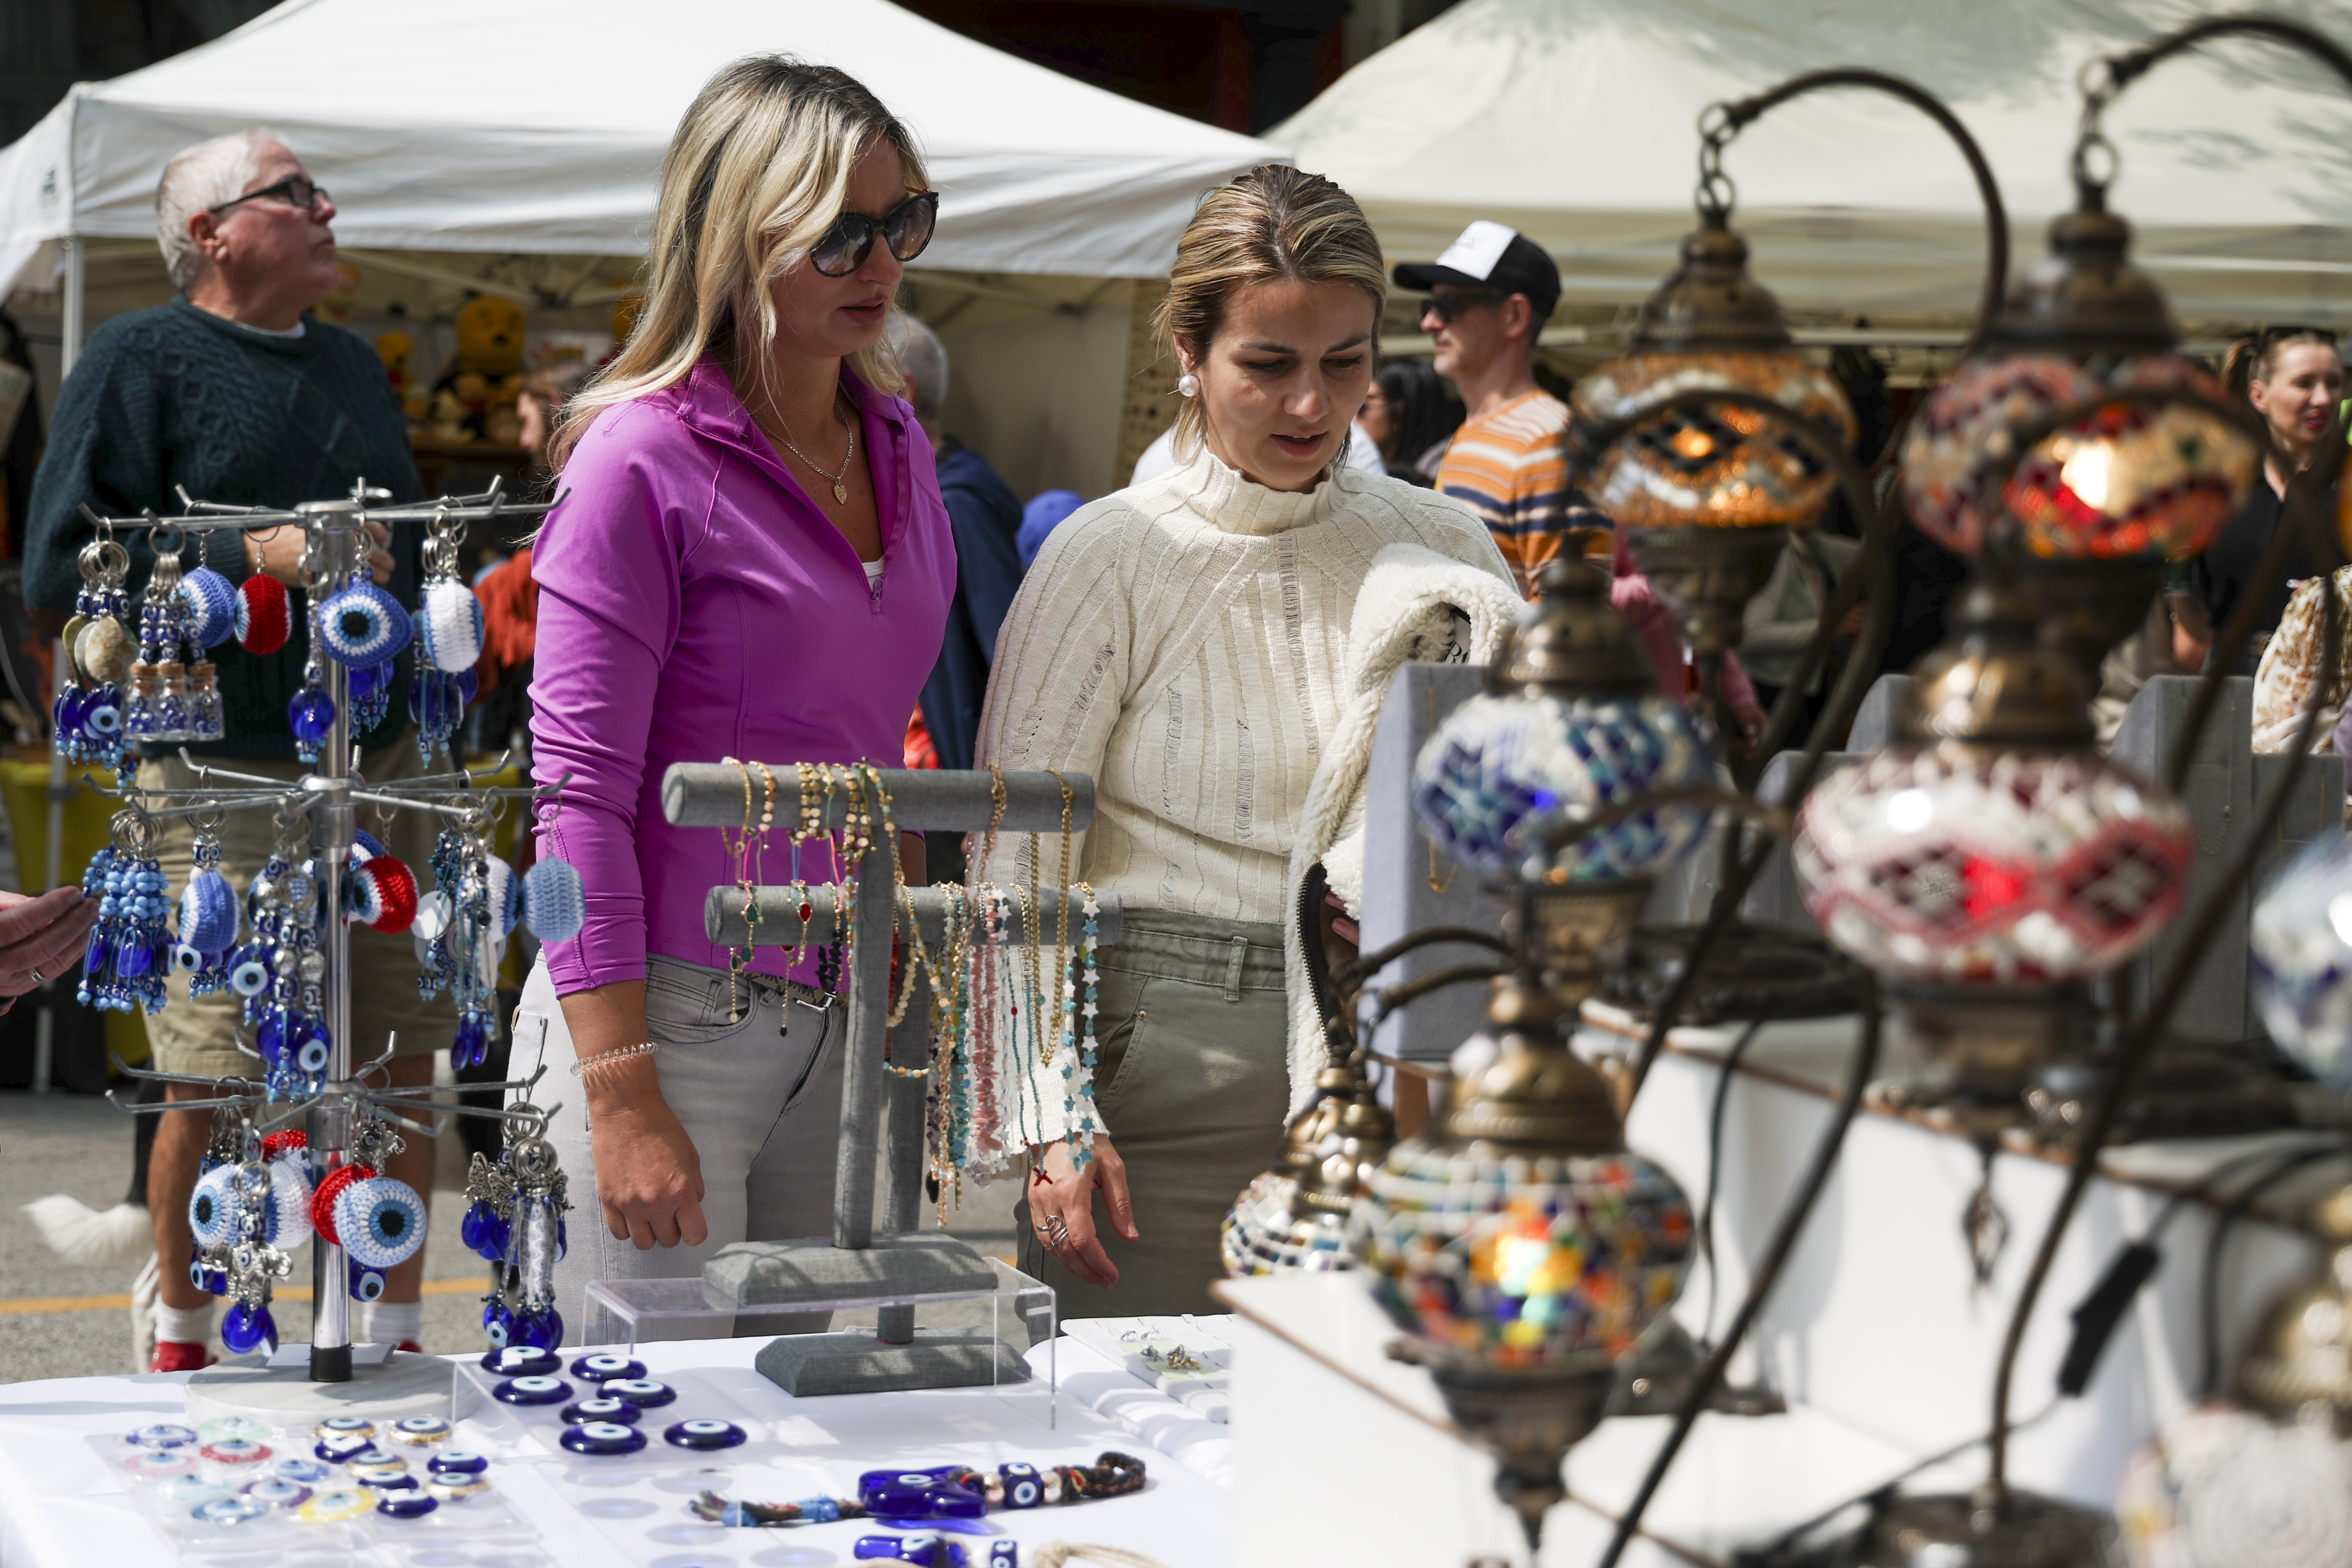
column 1184, row 642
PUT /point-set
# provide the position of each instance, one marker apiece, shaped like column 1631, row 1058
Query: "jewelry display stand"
column 900, row 1269
column 326, row 1378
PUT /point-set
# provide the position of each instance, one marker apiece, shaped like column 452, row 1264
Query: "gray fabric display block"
column 813, row 1271
column 1405, row 889
column 804, row 1365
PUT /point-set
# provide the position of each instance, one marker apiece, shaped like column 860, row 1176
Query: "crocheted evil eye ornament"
column 554, row 905
column 363, row 626
column 210, row 600
column 449, row 624
column 289, row 1224
column 365, row 847
column 212, row 1207
column 322, row 1201
column 382, row 1221
column 505, row 896
column 208, row 913
column 263, row 619
column 394, row 886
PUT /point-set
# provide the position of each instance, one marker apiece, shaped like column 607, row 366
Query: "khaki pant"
column 1193, row 1074
column 198, row 1036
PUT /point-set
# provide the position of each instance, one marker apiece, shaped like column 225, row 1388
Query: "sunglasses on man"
column 906, row 228
column 1453, row 301
column 294, row 191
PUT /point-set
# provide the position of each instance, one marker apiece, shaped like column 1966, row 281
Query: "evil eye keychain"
column 130, row 948
column 281, row 972
column 379, row 890
column 209, row 916
column 250, row 1208
column 208, row 605
column 311, row 711
column 449, row 624
column 514, row 1217
column 98, row 654
column 461, row 928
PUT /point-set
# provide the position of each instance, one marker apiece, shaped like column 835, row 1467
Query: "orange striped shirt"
column 1510, row 469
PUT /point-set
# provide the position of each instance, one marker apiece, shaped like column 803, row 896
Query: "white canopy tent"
column 492, row 125
column 1575, row 121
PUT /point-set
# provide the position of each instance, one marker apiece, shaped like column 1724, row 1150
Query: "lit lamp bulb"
column 2091, row 511
column 1704, row 496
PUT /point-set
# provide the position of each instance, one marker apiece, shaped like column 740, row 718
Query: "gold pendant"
column 840, row 493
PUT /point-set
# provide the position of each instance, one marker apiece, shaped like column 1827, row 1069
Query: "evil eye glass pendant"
column 704, row 1434
column 605, row 1438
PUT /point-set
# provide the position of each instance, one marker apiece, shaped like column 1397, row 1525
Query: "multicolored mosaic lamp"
column 2078, row 445
column 1294, row 1217
column 1990, row 864
column 1705, row 495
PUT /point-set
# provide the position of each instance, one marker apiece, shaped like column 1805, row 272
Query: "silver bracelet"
column 580, row 1069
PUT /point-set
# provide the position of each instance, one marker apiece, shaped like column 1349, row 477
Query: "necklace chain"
column 840, row 489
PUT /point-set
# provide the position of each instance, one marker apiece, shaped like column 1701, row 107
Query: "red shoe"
column 180, row 1355
column 411, row 1346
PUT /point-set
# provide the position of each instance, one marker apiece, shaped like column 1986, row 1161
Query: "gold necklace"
column 840, row 490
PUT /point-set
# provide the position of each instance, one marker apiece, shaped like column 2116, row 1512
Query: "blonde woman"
column 1195, row 643
column 753, row 561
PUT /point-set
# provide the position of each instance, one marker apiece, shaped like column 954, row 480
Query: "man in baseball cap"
column 1489, row 296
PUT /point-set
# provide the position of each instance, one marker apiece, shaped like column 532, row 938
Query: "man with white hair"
column 987, row 522
column 236, row 392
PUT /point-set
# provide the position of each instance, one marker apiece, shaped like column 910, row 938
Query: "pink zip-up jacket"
column 694, row 604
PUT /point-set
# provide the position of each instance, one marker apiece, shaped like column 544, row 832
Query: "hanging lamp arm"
column 1720, row 123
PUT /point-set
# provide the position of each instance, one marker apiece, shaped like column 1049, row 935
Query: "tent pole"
column 45, row 1023
column 76, row 267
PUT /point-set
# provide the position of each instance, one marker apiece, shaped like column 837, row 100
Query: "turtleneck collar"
column 1232, row 504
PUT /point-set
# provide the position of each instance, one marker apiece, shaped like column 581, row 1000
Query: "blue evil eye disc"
column 341, row 1447
column 371, row 1458
column 604, row 1368
column 457, row 1462
column 406, row 1505
column 532, row 1391
column 588, row 1410
column 457, row 1489
column 521, row 1360
column 236, row 1451
column 191, row 1490
column 642, row 1392
column 250, row 978
column 419, row 1430
column 703, row 1434
column 212, row 1207
column 228, row 1511
column 604, row 1437
column 162, row 1435
column 313, row 1056
column 352, row 1426
column 384, row 1477
column 186, row 959
column 159, row 1463
column 276, row 1493
column 302, row 1472
column 363, row 626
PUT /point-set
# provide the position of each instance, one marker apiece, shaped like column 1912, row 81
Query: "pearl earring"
column 1189, row 384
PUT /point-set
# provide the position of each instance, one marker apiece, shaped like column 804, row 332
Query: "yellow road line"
column 20, row 1306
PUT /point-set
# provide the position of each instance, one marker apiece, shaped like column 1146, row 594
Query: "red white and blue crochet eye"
column 289, row 1224
column 363, row 626
column 450, row 626
column 381, row 1221
column 263, row 619
column 555, row 904
column 211, row 602
column 212, row 1207
column 383, row 895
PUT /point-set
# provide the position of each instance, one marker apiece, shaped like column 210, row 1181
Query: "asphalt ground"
column 58, row 1320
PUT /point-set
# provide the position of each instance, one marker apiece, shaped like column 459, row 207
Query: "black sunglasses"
column 1453, row 301
column 2281, row 334
column 294, row 189
column 907, row 227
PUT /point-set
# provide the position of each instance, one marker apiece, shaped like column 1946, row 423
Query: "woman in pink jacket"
column 751, row 560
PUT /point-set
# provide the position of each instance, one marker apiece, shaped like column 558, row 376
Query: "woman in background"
column 1411, row 417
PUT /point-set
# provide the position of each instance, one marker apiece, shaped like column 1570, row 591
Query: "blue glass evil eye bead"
column 407, row 1504
column 497, row 1327
column 605, row 1368
column 485, row 1233
column 543, row 1330
column 341, row 1445
column 582, row 1412
column 250, row 978
column 364, row 1284
column 532, row 1391
column 703, row 1434
column 457, row 1462
column 601, row 1437
column 312, row 714
column 1023, row 1489
column 642, row 1392
column 420, row 1431
column 162, row 1435
column 228, row 1511
column 277, row 1492
column 245, row 1328
column 363, row 626
column 522, row 1361
column 345, row 1427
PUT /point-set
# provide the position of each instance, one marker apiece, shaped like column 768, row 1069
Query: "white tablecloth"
column 60, row 1507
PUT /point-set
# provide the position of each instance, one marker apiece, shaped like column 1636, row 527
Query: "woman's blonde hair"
column 757, row 173
column 1272, row 222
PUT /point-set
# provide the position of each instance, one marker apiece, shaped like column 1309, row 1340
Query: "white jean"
column 762, row 1104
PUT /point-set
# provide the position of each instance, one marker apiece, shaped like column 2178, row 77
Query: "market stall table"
column 60, row 1508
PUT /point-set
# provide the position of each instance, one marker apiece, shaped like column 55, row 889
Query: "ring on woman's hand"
column 37, row 976
column 1058, row 1232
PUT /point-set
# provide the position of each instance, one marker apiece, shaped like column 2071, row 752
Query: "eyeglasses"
column 907, row 227
column 2270, row 335
column 294, row 189
column 1453, row 301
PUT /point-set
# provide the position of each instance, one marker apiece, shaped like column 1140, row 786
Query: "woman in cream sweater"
column 1184, row 642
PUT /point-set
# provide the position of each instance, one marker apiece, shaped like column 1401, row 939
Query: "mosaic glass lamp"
column 2086, row 511
column 1705, row 495
column 1294, row 1217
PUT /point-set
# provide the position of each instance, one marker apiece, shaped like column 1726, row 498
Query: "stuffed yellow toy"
column 395, row 350
column 488, row 359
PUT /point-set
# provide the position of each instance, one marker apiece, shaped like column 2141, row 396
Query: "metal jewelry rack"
column 327, row 797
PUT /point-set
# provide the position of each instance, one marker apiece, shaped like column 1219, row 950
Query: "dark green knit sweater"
column 176, row 396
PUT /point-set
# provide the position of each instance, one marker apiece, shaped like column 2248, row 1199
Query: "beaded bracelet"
column 949, row 1492
column 582, row 1068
